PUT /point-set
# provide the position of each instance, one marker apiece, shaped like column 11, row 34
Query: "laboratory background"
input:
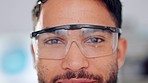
column 16, row 61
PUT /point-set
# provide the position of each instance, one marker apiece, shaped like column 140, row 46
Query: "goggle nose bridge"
column 70, row 43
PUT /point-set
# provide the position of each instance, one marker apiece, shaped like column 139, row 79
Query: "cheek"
column 104, row 65
column 47, row 69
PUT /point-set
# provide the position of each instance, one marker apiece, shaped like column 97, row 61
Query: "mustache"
column 81, row 74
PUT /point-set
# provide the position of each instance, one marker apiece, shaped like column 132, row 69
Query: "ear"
column 33, row 55
column 122, row 47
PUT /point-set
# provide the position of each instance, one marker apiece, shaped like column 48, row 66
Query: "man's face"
column 75, row 67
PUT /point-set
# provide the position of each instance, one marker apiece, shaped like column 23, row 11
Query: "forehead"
column 63, row 12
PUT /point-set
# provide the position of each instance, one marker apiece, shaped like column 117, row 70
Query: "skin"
column 63, row 12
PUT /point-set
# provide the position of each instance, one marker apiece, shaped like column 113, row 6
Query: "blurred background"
column 16, row 62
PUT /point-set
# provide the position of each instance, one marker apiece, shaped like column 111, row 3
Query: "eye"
column 94, row 40
column 53, row 41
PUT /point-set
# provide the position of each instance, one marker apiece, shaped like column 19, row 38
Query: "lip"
column 74, row 80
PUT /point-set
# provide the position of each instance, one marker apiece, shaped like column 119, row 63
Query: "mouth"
column 75, row 80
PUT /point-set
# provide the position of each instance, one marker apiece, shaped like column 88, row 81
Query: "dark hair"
column 113, row 6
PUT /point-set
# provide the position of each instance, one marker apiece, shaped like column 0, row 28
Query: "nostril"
column 75, row 64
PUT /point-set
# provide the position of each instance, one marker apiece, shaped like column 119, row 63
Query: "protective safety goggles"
column 92, row 40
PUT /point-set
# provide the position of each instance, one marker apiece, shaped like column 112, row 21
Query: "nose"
column 75, row 59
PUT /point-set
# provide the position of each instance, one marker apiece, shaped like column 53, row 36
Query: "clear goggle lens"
column 92, row 42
